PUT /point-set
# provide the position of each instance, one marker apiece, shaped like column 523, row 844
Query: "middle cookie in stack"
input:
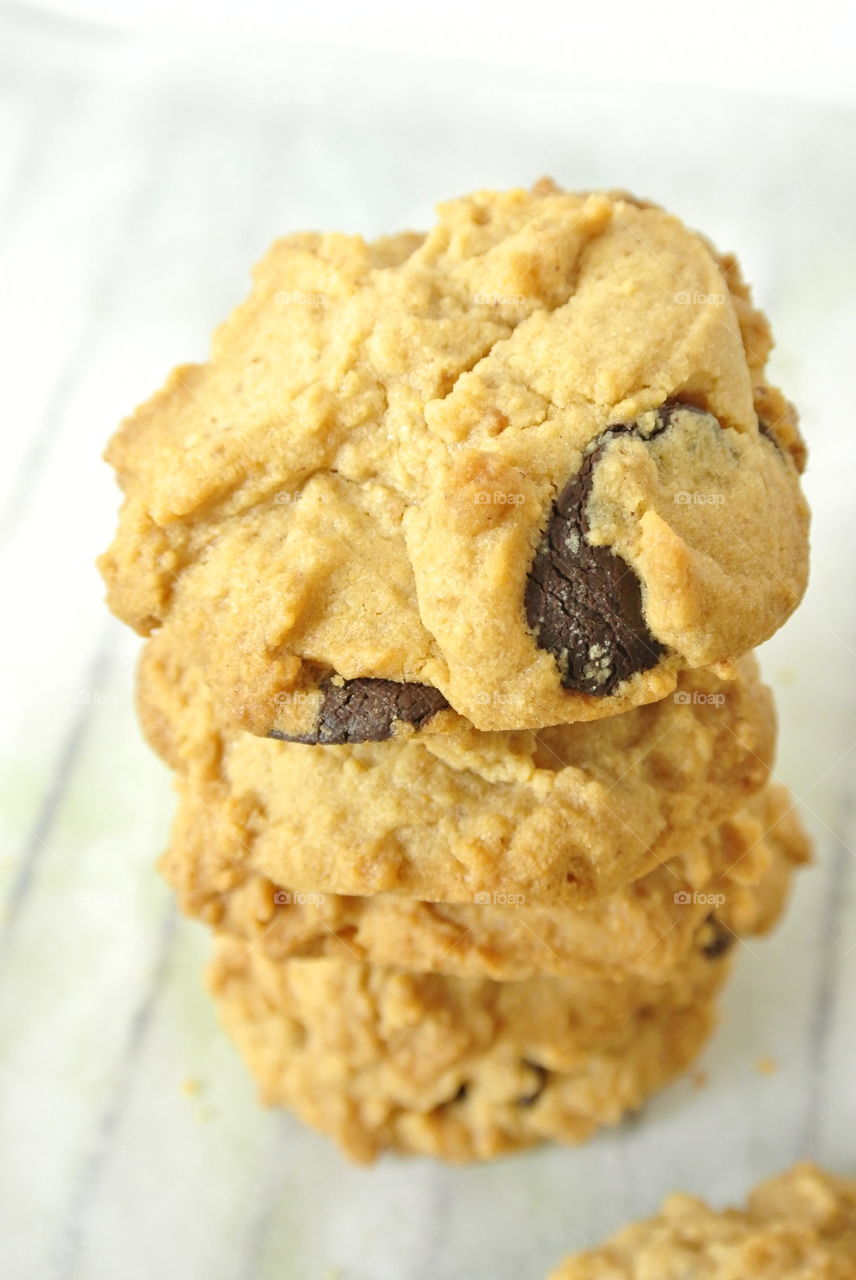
column 462, row 943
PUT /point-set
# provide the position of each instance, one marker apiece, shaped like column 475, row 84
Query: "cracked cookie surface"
column 358, row 485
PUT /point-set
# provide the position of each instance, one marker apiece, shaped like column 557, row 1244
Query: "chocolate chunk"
column 584, row 603
column 715, row 939
column 366, row 710
column 529, row 1099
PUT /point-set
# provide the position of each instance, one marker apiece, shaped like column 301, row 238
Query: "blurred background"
column 146, row 160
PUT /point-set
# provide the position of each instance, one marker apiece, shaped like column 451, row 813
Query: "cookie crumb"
column 191, row 1087
column 767, row 1065
column 545, row 186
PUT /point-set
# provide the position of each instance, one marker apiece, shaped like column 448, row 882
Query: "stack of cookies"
column 451, row 559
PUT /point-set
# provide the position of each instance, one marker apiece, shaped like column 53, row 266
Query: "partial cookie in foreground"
column 732, row 885
column 459, row 1068
column 800, row 1225
column 561, row 816
column 526, row 468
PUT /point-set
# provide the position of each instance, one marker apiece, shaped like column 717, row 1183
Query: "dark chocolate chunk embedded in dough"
column 366, row 710
column 541, row 1074
column 584, row 603
column 715, row 939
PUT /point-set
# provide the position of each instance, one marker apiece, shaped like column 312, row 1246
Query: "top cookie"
column 801, row 1224
column 525, row 468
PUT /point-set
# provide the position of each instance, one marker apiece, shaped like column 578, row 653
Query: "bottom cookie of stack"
column 460, row 1068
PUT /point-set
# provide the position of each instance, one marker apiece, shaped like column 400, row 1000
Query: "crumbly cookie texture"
column 560, row 816
column 798, row 1226
column 733, row 884
column 525, row 468
column 460, row 1068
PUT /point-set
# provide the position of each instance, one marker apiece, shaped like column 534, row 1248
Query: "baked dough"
column 732, row 885
column 561, row 816
column 526, row 467
column 459, row 1068
column 800, row 1225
